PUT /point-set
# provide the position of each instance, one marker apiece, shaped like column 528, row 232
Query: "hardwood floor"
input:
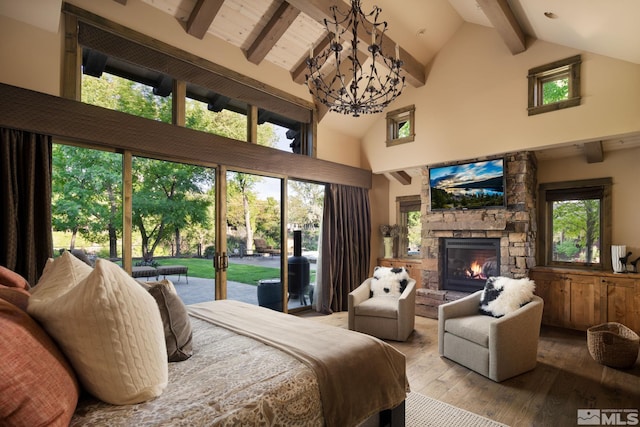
column 566, row 379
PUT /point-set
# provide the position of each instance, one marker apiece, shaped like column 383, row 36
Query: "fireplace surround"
column 513, row 227
column 468, row 263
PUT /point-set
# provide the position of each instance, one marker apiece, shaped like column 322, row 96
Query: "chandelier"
column 347, row 87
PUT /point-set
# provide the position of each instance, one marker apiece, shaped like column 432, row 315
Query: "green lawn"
column 242, row 273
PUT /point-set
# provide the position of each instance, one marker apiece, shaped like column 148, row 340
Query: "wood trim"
column 252, row 124
column 202, row 16
column 320, row 10
column 271, row 33
column 504, row 21
column 300, row 71
column 127, row 214
column 46, row 114
column 72, row 60
column 178, row 105
column 221, row 230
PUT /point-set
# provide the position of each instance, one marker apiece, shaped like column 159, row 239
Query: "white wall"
column 474, row 103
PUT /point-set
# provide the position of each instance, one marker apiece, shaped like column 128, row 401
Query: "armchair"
column 384, row 317
column 498, row 348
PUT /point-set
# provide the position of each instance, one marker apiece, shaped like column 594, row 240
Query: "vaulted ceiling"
column 282, row 31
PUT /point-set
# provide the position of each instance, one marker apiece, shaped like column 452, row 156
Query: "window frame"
column 545, row 221
column 394, row 120
column 405, row 204
column 569, row 68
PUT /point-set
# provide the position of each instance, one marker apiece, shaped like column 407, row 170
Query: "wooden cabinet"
column 414, row 267
column 581, row 299
column 622, row 301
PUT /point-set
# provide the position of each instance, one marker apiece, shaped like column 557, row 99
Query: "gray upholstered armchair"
column 498, row 348
column 383, row 317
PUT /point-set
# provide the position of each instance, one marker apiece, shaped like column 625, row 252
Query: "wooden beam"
column 201, row 17
column 123, row 2
column 402, row 177
column 300, row 70
column 504, row 21
column 320, row 10
column 76, row 121
column 593, row 151
column 271, row 33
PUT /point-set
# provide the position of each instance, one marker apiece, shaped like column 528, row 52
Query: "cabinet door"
column 552, row 288
column 623, row 302
column 584, row 301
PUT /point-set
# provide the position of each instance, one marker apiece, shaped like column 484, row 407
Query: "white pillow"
column 503, row 295
column 108, row 326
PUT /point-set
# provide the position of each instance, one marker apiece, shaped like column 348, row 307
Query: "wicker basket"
column 613, row 344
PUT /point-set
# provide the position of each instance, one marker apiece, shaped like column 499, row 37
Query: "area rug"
column 423, row 411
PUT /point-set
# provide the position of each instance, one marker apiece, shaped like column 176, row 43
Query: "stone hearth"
column 514, row 225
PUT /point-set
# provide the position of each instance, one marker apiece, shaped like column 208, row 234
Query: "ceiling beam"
column 320, row 10
column 202, row 16
column 124, row 2
column 271, row 33
column 299, row 72
column 504, row 21
column 593, row 152
column 402, row 177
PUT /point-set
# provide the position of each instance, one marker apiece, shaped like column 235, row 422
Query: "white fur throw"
column 389, row 281
column 503, row 295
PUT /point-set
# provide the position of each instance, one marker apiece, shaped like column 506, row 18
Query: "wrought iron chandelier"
column 348, row 87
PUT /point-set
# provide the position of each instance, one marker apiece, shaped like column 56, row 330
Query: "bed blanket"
column 358, row 375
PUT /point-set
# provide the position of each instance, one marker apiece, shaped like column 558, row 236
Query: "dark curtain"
column 25, row 202
column 346, row 235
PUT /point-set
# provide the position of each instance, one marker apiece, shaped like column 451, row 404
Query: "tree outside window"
column 574, row 222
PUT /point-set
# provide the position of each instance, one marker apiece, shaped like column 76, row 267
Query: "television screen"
column 468, row 186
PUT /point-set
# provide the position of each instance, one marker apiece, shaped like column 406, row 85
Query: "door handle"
column 225, row 261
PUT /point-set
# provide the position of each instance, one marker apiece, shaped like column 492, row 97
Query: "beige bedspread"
column 231, row 380
column 358, row 375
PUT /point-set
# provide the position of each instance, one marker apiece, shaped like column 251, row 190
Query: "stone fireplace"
column 508, row 234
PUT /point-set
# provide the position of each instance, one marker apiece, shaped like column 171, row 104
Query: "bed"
column 255, row 366
column 84, row 336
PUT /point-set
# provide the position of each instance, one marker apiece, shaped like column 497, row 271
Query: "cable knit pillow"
column 503, row 295
column 107, row 325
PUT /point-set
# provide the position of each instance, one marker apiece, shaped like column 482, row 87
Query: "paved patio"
column 201, row 290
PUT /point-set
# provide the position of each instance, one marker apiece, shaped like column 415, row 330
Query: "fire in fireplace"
column 468, row 262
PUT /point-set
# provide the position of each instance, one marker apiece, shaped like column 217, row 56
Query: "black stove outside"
column 468, row 262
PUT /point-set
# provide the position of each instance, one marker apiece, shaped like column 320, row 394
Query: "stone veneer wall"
column 514, row 225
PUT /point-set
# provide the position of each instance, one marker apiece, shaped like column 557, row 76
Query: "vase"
column 388, row 247
column 617, row 252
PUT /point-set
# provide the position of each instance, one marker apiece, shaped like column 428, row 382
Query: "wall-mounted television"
column 472, row 185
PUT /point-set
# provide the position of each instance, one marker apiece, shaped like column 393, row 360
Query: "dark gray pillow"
column 175, row 319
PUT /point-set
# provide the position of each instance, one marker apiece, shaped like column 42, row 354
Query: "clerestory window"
column 554, row 86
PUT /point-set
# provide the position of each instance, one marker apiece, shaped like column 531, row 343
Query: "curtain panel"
column 25, row 208
column 346, row 239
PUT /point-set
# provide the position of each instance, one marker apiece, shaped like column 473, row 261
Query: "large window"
column 575, row 223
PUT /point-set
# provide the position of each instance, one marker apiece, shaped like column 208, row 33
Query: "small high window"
column 554, row 86
column 401, row 125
